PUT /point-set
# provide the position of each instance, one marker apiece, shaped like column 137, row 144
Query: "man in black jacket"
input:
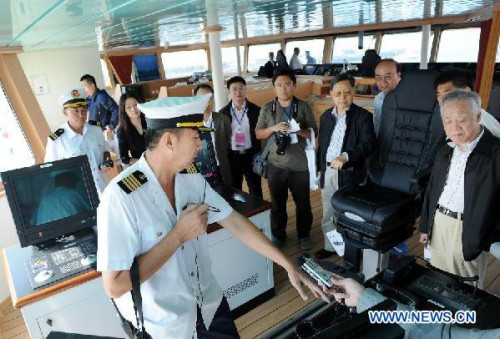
column 243, row 116
column 460, row 215
column 346, row 138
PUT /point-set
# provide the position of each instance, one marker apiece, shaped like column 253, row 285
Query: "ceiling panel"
column 47, row 24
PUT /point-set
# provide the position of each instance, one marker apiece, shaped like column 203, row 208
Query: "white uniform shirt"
column 131, row 224
column 295, row 62
column 337, row 138
column 71, row 144
column 378, row 101
column 236, row 127
column 453, row 194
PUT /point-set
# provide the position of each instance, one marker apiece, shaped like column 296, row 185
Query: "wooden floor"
column 286, row 301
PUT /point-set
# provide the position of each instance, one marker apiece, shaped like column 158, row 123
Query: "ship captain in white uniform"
column 157, row 211
column 78, row 137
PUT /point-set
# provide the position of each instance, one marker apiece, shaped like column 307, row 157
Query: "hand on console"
column 347, row 289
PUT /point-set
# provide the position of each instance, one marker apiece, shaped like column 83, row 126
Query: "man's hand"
column 192, row 223
column 108, row 133
column 281, row 127
column 299, row 279
column 105, row 169
column 338, row 162
column 424, row 238
column 347, row 289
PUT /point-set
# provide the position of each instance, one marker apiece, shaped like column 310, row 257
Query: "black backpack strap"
column 138, row 332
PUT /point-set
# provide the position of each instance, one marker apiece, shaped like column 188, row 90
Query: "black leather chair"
column 380, row 213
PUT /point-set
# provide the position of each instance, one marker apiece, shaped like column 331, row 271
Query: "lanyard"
column 239, row 121
column 295, row 106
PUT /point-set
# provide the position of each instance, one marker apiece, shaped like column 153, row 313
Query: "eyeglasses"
column 338, row 94
column 284, row 85
column 238, row 90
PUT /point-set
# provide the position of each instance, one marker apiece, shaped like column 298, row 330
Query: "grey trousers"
column 331, row 186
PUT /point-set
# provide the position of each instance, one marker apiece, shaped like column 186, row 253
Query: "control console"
column 62, row 259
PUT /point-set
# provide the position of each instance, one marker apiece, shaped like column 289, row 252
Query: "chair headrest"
column 415, row 91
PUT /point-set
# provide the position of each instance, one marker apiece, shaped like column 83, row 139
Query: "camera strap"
column 295, row 109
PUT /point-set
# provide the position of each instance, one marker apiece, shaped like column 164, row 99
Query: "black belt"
column 454, row 215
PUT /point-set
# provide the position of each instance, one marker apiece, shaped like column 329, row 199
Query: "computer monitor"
column 206, row 161
column 51, row 200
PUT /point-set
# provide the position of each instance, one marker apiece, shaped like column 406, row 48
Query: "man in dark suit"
column 345, row 140
column 221, row 137
column 460, row 215
column 243, row 116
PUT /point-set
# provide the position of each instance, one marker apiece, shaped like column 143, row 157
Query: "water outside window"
column 403, row 47
column 314, row 46
column 347, row 48
column 229, row 62
column 452, row 42
column 258, row 55
column 15, row 151
column 185, row 63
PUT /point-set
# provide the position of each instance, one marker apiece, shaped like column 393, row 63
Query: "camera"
column 282, row 140
column 106, row 160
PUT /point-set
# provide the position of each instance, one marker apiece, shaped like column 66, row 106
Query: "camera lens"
column 282, row 140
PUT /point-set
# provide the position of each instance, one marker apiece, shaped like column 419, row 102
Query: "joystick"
column 88, row 260
column 43, row 276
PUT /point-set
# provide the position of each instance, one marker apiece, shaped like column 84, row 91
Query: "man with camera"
column 287, row 120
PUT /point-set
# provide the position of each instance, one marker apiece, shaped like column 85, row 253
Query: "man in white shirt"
column 294, row 61
column 156, row 212
column 460, row 210
column 458, row 79
column 78, row 137
column 387, row 77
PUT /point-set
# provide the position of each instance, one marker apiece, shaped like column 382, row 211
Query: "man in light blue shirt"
column 387, row 77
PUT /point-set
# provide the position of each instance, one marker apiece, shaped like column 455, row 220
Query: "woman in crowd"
column 131, row 129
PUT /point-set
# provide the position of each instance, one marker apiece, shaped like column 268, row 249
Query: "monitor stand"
column 62, row 258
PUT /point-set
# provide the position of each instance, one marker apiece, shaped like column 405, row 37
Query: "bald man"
column 387, row 77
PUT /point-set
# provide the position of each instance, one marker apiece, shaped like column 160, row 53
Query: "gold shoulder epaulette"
column 132, row 182
column 56, row 134
column 94, row 123
column 191, row 169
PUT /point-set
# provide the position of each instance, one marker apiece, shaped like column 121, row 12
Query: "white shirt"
column 236, row 127
column 131, row 224
column 337, row 139
column 210, row 124
column 492, row 124
column 377, row 114
column 453, row 194
column 295, row 63
column 71, row 144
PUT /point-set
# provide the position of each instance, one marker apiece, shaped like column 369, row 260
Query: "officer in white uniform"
column 77, row 137
column 153, row 212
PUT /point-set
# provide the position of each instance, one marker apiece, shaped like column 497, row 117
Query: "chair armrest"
column 495, row 250
column 421, row 178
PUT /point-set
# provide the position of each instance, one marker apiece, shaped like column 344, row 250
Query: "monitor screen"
column 51, row 200
column 206, row 160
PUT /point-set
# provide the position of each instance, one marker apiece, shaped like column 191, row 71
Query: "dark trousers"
column 241, row 164
column 280, row 180
column 222, row 325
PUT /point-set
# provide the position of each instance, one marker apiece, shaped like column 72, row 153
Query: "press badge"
column 239, row 140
